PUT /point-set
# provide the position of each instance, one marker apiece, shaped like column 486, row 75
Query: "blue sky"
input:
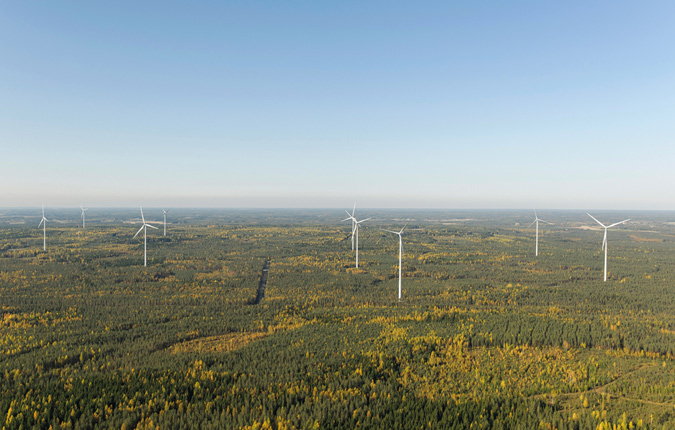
column 476, row 104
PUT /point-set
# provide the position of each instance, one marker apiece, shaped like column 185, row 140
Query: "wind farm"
column 471, row 289
column 261, row 302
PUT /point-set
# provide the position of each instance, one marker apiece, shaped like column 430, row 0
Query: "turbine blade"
column 531, row 224
column 389, row 231
column 596, row 220
column 617, row 223
column 546, row 222
column 41, row 221
column 142, row 217
column 406, row 225
column 354, row 210
column 151, row 226
column 139, row 230
column 346, row 219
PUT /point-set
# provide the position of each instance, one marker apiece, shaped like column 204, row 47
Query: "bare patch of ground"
column 644, row 239
column 223, row 343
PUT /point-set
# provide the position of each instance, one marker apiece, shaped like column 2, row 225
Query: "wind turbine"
column 400, row 253
column 351, row 217
column 604, row 240
column 165, row 211
column 536, row 221
column 356, row 230
column 43, row 223
column 144, row 227
column 83, row 210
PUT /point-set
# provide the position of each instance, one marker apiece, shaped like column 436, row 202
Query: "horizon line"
column 335, row 208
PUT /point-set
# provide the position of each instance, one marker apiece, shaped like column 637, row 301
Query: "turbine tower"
column 400, row 254
column 144, row 227
column 536, row 222
column 351, row 217
column 604, row 240
column 43, row 223
column 356, row 230
column 165, row 211
column 83, row 210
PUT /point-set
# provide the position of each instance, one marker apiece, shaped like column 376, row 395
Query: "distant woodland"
column 487, row 336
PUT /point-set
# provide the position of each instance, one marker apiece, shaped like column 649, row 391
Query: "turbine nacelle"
column 606, row 227
column 538, row 220
column 43, row 220
column 397, row 232
column 145, row 225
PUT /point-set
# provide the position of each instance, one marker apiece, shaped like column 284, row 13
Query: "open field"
column 486, row 336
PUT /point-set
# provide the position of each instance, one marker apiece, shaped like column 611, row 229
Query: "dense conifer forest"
column 486, row 337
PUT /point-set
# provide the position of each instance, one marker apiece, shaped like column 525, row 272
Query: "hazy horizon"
column 339, row 211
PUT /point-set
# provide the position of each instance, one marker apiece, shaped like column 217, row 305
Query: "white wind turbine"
column 165, row 211
column 400, row 253
column 356, row 230
column 43, row 223
column 83, row 210
column 604, row 240
column 536, row 222
column 351, row 217
column 144, row 227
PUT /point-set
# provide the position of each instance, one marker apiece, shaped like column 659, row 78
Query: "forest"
column 486, row 336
